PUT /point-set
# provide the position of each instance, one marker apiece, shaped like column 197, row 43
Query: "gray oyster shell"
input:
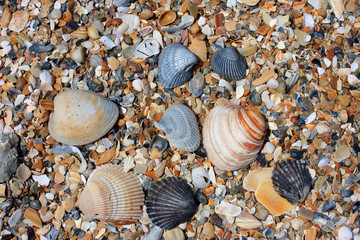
column 181, row 128
column 171, row 202
column 292, row 180
column 229, row 63
column 8, row 155
column 175, row 65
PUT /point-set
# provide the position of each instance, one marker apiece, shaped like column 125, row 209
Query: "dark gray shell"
column 175, row 65
column 292, row 180
column 171, row 202
column 181, row 128
column 229, row 63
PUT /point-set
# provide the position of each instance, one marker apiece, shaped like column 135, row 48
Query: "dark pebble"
column 47, row 66
column 314, row 93
column 72, row 25
column 300, row 122
column 70, row 63
column 40, row 48
column 356, row 207
column 216, row 219
column 346, row 193
column 269, row 233
column 56, row 62
column 53, row 234
column 6, row 70
column 296, row 154
column 316, row 61
column 356, row 148
column 201, row 152
column 75, row 214
column 35, row 204
column 339, row 53
column 321, row 216
column 255, row 98
column 6, row 205
column 262, row 160
column 319, row 35
column 93, row 86
column 12, row 55
column 200, row 195
column 328, row 206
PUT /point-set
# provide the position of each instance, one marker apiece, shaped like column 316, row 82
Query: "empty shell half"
column 229, row 63
column 233, row 136
column 292, row 180
column 171, row 202
column 112, row 196
column 81, row 117
column 181, row 128
column 175, row 65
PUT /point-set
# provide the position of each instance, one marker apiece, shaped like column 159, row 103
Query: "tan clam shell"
column 233, row 136
column 112, row 196
column 167, row 18
column 81, row 117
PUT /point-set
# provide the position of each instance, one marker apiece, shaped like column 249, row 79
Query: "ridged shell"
column 112, row 196
column 171, row 202
column 292, row 180
column 181, row 128
column 175, row 65
column 229, row 63
column 233, row 136
column 81, row 117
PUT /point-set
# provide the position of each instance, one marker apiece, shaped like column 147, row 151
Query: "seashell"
column 133, row 67
column 146, row 14
column 249, row 2
column 167, row 18
column 233, row 136
column 112, row 196
column 292, row 180
column 80, row 33
column 247, row 221
column 228, row 209
column 81, row 117
column 198, row 47
column 175, row 65
column 147, row 48
column 181, row 128
column 338, row 7
column 200, row 177
column 171, row 202
column 6, row 17
column 229, row 63
column 174, row 234
column 93, row 33
column 255, row 177
column 186, row 21
column 23, row 172
column 78, row 54
column 159, row 169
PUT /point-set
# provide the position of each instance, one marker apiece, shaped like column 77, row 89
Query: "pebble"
column 227, row 209
column 328, row 206
column 272, row 83
column 8, row 155
column 55, row 14
column 174, row 234
column 346, row 193
column 342, row 153
column 303, row 212
column 197, row 84
column 138, row 85
column 19, row 20
column 39, row 48
column 345, row 233
column 255, row 98
column 269, row 147
column 35, row 204
column 296, row 154
column 208, row 230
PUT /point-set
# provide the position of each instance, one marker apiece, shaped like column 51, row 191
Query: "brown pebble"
column 303, row 212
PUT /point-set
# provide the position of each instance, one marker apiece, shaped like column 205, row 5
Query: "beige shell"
column 167, row 18
column 338, row 7
column 81, row 117
column 112, row 196
column 23, row 172
column 233, row 136
column 250, row 2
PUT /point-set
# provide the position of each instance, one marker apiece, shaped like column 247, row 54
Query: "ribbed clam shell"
column 229, row 63
column 171, row 202
column 181, row 128
column 112, row 196
column 175, row 65
column 292, row 180
column 81, row 117
column 233, row 136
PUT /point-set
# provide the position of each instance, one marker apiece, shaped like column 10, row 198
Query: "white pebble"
column 281, row 45
column 341, row 30
column 345, row 233
column 137, row 85
column 269, row 147
column 310, row 118
column 272, row 83
column 222, row 83
column 201, row 21
column 49, row 196
column 41, row 179
column 327, row 62
column 354, row 66
column 200, row 177
column 323, row 162
column 320, row 70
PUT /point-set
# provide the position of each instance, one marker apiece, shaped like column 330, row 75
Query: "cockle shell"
column 229, row 63
column 112, row 196
column 181, row 128
column 233, row 135
column 175, row 65
column 292, row 180
column 170, row 202
column 81, row 117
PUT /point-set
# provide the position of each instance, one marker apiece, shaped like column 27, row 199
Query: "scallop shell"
column 81, row 117
column 181, row 128
column 292, row 180
column 233, row 136
column 229, row 63
column 112, row 196
column 171, row 202
column 175, row 65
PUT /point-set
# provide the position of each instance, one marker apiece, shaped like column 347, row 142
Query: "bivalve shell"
column 112, row 196
column 229, row 63
column 292, row 180
column 181, row 128
column 170, row 202
column 167, row 18
column 146, row 14
column 175, row 65
column 233, row 136
column 81, row 117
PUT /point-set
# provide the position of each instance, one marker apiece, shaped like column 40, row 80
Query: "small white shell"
column 147, row 48
column 200, row 177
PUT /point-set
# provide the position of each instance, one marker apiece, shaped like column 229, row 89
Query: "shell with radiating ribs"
column 112, row 196
column 233, row 136
column 81, row 117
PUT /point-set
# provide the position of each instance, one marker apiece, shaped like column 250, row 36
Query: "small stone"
column 19, row 20
column 15, row 217
column 35, row 204
column 303, row 212
column 8, row 155
column 281, row 45
column 228, row 209
column 174, row 234
column 113, row 63
column 39, row 48
column 328, row 206
column 269, row 147
column 346, row 193
column 345, row 233
column 263, row 213
column 93, row 33
column 197, row 84
column 55, row 14
column 138, row 85
column 296, row 224
column 342, row 153
column 255, row 98
column 208, row 230
column 296, row 154
column 272, row 83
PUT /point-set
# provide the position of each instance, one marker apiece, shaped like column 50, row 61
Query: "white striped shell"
column 81, row 117
column 233, row 136
column 181, row 128
column 229, row 63
column 175, row 65
column 112, row 196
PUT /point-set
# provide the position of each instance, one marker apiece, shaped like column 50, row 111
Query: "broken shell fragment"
column 255, row 177
column 233, row 136
column 292, row 180
column 229, row 63
column 171, row 202
column 175, row 65
column 181, row 128
column 81, row 117
column 112, row 196
column 23, row 172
